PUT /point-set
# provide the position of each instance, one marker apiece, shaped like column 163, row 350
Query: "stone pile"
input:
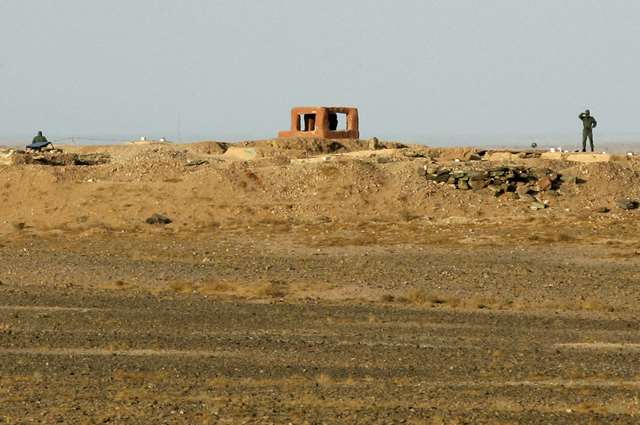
column 59, row 158
column 521, row 182
column 158, row 218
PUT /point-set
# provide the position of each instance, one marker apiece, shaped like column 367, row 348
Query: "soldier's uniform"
column 588, row 124
column 39, row 138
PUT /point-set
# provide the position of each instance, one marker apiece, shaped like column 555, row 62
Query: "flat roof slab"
column 584, row 157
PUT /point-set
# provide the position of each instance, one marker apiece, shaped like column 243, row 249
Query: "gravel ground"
column 274, row 328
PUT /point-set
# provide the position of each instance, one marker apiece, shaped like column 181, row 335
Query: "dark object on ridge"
column 628, row 204
column 39, row 142
column 158, row 219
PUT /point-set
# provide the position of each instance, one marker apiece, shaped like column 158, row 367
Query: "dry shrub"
column 273, row 289
column 363, row 239
column 408, row 216
column 276, row 224
column 5, row 328
column 550, row 238
column 136, row 377
column 435, row 299
column 387, row 298
column 420, row 296
column 349, row 381
column 182, row 287
column 329, row 170
column 503, row 404
column 614, row 406
column 586, row 304
column 417, row 296
column 593, row 304
column 563, row 237
column 118, row 284
column 213, row 288
column 324, row 380
column 117, row 346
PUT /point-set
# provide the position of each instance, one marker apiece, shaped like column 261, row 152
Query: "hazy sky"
column 233, row 69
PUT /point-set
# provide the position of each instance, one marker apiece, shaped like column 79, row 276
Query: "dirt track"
column 348, row 292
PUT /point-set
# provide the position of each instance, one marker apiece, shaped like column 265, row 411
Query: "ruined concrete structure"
column 322, row 122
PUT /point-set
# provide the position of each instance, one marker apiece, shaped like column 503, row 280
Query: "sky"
column 232, row 69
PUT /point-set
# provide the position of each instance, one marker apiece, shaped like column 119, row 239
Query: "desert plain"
column 318, row 282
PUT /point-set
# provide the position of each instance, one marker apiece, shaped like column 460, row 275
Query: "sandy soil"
column 314, row 283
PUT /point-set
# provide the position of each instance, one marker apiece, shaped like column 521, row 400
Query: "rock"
column 92, row 159
column 6, row 156
column 477, row 184
column 568, row 179
column 412, row 154
column 459, row 174
column 422, row 171
column 196, row 162
column 628, row 204
column 463, row 185
column 475, row 157
column 523, row 175
column 496, row 189
column 442, row 178
column 523, row 189
column 545, row 183
column 537, row 206
column 477, row 175
column 158, row 219
column 432, row 169
column 603, row 210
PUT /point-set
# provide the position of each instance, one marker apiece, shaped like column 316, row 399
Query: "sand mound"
column 206, row 185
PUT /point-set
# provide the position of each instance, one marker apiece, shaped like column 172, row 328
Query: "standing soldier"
column 588, row 124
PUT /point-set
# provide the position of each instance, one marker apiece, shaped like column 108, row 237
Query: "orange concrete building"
column 323, row 122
